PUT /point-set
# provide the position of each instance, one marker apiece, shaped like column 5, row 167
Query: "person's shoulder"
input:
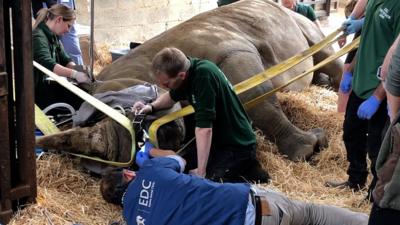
column 305, row 6
column 204, row 65
column 38, row 35
column 38, row 32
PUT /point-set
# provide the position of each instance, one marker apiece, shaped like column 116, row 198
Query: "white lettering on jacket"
column 146, row 193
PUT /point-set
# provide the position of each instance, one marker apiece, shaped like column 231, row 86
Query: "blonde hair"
column 56, row 10
column 170, row 61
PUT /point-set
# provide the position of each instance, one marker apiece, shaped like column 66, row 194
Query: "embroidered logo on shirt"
column 193, row 99
column 140, row 220
column 384, row 13
column 146, row 194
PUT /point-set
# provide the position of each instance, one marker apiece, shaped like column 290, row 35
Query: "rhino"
column 243, row 39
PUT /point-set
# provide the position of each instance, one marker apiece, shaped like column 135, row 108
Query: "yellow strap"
column 114, row 114
column 279, row 68
column 349, row 47
column 43, row 123
column 251, row 82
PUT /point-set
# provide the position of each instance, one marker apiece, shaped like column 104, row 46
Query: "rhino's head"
column 109, row 140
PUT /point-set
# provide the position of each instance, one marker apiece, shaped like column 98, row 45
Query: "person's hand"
column 195, row 172
column 80, row 77
column 345, row 83
column 368, row 108
column 144, row 153
column 147, row 147
column 352, row 26
column 141, row 156
column 141, row 108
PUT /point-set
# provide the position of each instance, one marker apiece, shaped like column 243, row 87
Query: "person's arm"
column 163, row 102
column 391, row 77
column 380, row 92
column 388, row 58
column 159, row 153
column 359, row 9
column 156, row 152
column 203, row 143
column 394, row 105
column 316, row 22
column 63, row 71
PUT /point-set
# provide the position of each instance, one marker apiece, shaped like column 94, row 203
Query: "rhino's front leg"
column 267, row 115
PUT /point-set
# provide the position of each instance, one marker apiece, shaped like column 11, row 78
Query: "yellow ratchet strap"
column 344, row 50
column 43, row 123
column 115, row 115
column 252, row 81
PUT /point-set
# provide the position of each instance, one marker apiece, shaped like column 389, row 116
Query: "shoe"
column 344, row 185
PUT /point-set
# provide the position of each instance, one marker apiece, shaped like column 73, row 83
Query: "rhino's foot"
column 302, row 145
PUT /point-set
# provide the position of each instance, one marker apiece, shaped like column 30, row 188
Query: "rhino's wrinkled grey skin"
column 244, row 39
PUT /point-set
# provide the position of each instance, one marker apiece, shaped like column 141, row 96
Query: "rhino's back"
column 257, row 26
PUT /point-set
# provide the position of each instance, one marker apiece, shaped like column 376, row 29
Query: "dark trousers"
column 230, row 164
column 382, row 216
column 361, row 137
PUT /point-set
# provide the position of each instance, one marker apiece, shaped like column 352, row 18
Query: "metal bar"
column 24, row 103
column 91, row 47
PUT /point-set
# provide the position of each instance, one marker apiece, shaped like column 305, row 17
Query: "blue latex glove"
column 147, row 147
column 345, row 83
column 144, row 153
column 368, row 108
column 141, row 156
column 352, row 26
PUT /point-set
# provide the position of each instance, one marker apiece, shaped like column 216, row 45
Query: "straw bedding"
column 68, row 195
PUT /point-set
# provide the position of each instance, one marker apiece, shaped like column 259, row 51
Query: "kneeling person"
column 225, row 141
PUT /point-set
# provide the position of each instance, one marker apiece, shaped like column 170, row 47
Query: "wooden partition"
column 17, row 156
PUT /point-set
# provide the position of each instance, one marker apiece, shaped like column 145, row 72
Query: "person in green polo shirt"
column 366, row 112
column 225, row 141
column 47, row 51
column 302, row 9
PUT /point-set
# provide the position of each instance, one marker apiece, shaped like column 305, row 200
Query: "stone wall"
column 119, row 22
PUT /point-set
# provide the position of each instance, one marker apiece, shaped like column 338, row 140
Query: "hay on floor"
column 67, row 195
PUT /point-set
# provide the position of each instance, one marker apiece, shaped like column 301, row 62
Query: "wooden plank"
column 328, row 7
column 24, row 102
column 5, row 174
column 20, row 192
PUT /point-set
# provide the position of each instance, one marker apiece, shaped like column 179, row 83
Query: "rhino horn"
column 100, row 140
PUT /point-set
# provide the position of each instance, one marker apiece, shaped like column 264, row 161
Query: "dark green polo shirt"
column 48, row 52
column 47, row 49
column 306, row 11
column 381, row 27
column 216, row 105
column 225, row 2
